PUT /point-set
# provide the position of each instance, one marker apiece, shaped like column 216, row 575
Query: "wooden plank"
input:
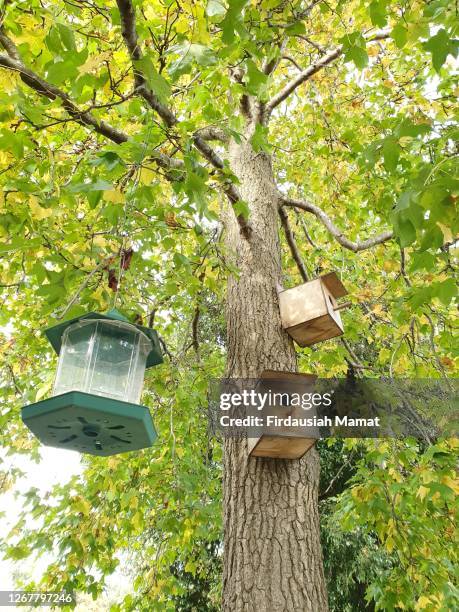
column 331, row 305
column 318, row 330
column 293, row 376
column 334, row 285
column 284, row 442
column 301, row 303
column 280, row 447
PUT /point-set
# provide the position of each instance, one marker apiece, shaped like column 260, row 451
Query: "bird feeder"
column 94, row 408
column 280, row 442
column 310, row 312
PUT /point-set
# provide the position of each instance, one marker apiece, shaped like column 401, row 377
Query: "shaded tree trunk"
column 273, row 557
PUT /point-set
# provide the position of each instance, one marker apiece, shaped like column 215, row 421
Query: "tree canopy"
column 114, row 124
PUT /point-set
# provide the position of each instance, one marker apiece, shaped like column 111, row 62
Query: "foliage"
column 104, row 202
column 407, row 496
column 352, row 560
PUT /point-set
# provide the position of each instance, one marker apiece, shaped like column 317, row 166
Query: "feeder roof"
column 54, row 334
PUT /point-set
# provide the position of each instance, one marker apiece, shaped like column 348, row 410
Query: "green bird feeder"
column 95, row 405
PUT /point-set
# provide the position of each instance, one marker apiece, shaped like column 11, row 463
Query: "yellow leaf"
column 42, row 391
column 422, row 492
column 147, row 176
column 389, row 265
column 113, row 462
column 187, row 535
column 115, row 196
column 99, row 241
column 422, row 603
column 82, row 505
column 4, row 156
column 377, row 309
column 94, row 62
column 38, row 212
column 179, row 452
column 137, row 520
column 134, row 503
column 451, row 483
column 446, row 232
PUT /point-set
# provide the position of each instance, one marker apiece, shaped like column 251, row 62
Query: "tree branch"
column 229, row 189
column 83, row 117
column 292, row 61
column 52, row 92
column 270, row 66
column 212, row 133
column 333, row 230
column 129, row 33
column 292, row 244
column 313, row 69
column 13, row 62
column 128, row 30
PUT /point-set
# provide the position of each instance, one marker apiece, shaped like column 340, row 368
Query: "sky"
column 56, row 467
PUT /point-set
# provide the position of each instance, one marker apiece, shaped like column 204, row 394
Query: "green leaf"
column 295, row 29
column 440, row 46
column 404, row 201
column 446, row 291
column 57, row 72
column 99, row 185
column 241, row 208
column 259, row 139
column 181, row 261
column 391, row 153
column 358, row 55
column 157, row 82
column 20, row 244
column 18, row 552
column 53, row 40
column 432, row 239
column 400, row 35
column 378, row 13
column 408, row 128
column 232, row 23
column 422, row 261
column 256, row 79
column 404, row 230
column 202, row 54
column 67, row 37
column 94, row 197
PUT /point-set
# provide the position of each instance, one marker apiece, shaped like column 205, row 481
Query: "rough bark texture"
column 273, row 558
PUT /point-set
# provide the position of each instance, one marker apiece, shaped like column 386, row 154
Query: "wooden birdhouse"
column 285, row 441
column 310, row 312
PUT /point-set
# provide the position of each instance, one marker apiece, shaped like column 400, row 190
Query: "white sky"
column 56, row 467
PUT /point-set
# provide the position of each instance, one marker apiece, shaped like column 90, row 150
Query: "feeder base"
column 90, row 424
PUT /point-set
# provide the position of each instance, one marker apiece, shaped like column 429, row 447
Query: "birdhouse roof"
column 54, row 334
column 334, row 285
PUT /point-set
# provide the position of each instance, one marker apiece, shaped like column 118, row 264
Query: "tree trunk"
column 273, row 557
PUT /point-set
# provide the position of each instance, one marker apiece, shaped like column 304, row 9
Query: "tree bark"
column 272, row 555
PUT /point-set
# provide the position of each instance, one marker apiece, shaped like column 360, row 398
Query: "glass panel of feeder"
column 115, row 358
column 137, row 373
column 73, row 370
